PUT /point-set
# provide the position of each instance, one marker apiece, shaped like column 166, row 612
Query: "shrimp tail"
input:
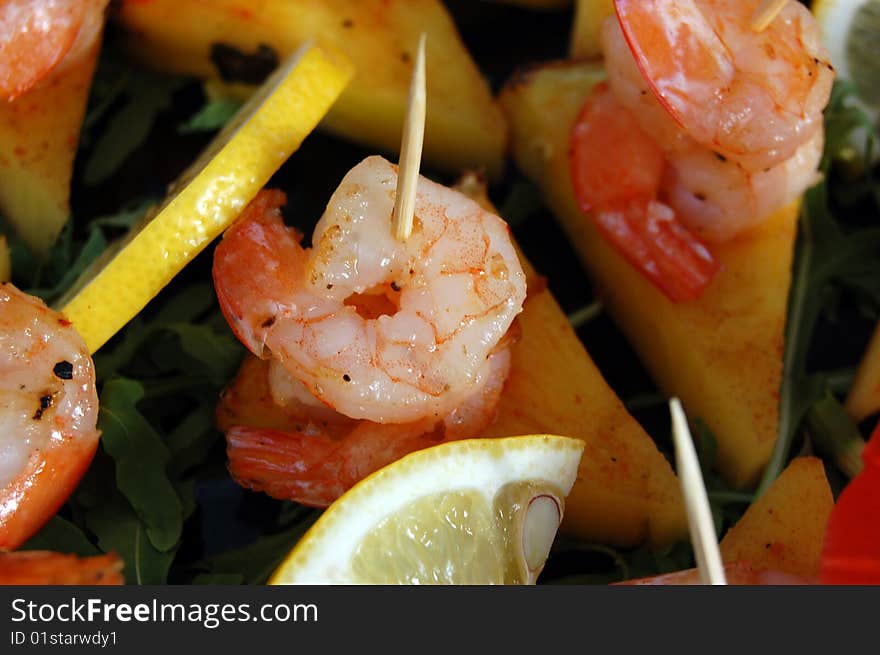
column 259, row 235
column 285, row 465
column 666, row 252
column 50, row 568
column 616, row 172
column 316, row 470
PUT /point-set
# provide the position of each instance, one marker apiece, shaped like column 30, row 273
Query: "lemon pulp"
column 482, row 511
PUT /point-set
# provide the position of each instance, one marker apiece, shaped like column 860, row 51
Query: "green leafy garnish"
column 144, row 96
column 835, row 435
column 141, row 462
column 62, row 535
column 119, row 530
column 254, row 563
column 214, row 115
column 829, row 260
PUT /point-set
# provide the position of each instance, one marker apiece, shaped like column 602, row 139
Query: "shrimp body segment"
column 48, row 413
column 704, row 129
column 715, row 196
column 37, row 35
column 617, row 171
column 374, row 328
column 37, row 567
column 311, row 456
column 755, row 97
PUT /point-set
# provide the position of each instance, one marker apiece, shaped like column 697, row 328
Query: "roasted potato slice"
column 721, row 353
column 238, row 41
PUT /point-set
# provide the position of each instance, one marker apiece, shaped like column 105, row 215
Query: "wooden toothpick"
column 702, row 529
column 411, row 150
column 765, row 13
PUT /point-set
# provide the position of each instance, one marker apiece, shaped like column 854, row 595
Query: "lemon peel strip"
column 211, row 193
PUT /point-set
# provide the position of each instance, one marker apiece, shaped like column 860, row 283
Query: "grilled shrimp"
column 714, row 192
column 37, row 567
column 753, row 97
column 296, row 450
column 48, row 413
column 40, row 37
column 368, row 326
column 704, row 129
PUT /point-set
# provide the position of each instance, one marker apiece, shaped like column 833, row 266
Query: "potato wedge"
column 464, row 129
column 5, row 262
column 625, row 492
column 784, row 529
column 588, row 17
column 722, row 353
column 39, row 133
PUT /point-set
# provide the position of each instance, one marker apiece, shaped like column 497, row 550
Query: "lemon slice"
column 480, row 511
column 210, row 194
column 851, row 32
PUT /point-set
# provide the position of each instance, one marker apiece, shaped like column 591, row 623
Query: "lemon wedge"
column 851, row 32
column 210, row 194
column 479, row 511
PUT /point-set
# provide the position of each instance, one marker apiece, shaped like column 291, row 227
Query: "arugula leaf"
column 523, row 200
column 835, row 434
column 214, row 115
column 52, row 277
column 256, row 561
column 193, row 438
column 842, row 118
column 62, row 536
column 187, row 304
column 141, row 462
column 119, row 530
column 828, row 259
column 146, row 95
column 825, row 256
column 207, row 356
column 218, row 354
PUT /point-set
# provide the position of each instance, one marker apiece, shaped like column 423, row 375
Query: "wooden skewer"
column 702, row 529
column 411, row 150
column 765, row 13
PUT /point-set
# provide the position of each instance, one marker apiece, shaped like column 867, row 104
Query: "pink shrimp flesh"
column 297, row 451
column 36, row 36
column 49, row 414
column 374, row 328
column 737, row 573
column 713, row 195
column 754, row 97
column 37, row 567
column 616, row 172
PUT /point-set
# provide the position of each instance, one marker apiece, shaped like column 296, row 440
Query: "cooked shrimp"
column 617, row 171
column 754, row 97
column 291, row 452
column 38, row 37
column 374, row 328
column 707, row 129
column 716, row 196
column 737, row 573
column 48, row 413
column 36, row 567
